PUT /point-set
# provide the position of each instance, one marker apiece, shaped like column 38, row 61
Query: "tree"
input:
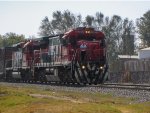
column 1, row 41
column 119, row 36
column 111, row 28
column 89, row 20
column 143, row 25
column 46, row 28
column 99, row 19
column 62, row 22
column 68, row 19
column 128, row 37
column 11, row 38
column 78, row 21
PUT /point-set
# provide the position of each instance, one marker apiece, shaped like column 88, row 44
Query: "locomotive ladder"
column 73, row 67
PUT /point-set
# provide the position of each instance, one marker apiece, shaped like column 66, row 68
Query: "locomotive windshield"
column 87, row 38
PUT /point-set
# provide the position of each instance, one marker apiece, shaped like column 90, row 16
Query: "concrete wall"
column 141, row 77
column 131, row 71
column 144, row 54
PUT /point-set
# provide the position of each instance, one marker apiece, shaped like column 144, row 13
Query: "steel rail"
column 105, row 85
column 124, row 86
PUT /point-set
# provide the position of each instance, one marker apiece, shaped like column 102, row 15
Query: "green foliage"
column 89, row 20
column 46, row 28
column 143, row 25
column 1, row 40
column 128, row 37
column 99, row 18
column 63, row 21
column 10, row 38
column 118, row 37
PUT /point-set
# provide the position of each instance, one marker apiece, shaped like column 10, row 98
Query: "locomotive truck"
column 77, row 56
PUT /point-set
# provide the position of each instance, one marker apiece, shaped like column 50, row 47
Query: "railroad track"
column 105, row 85
column 108, row 85
column 124, row 86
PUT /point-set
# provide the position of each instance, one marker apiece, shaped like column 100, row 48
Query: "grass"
column 33, row 100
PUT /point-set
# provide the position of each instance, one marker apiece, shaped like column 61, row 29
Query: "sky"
column 24, row 17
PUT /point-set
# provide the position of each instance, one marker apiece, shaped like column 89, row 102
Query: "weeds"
column 19, row 100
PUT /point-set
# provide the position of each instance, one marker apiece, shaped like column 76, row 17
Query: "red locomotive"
column 78, row 56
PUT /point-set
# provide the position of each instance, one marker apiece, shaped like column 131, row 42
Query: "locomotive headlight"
column 83, row 67
column 87, row 32
column 101, row 67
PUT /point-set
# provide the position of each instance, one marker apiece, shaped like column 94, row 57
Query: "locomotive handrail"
column 74, row 55
column 73, row 59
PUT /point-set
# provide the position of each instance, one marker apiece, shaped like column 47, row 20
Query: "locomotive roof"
column 84, row 31
column 76, row 31
column 51, row 36
column 20, row 44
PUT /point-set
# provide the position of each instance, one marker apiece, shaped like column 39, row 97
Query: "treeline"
column 10, row 38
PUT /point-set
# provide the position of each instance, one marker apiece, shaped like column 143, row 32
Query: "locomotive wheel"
column 23, row 76
column 9, row 76
column 27, row 76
